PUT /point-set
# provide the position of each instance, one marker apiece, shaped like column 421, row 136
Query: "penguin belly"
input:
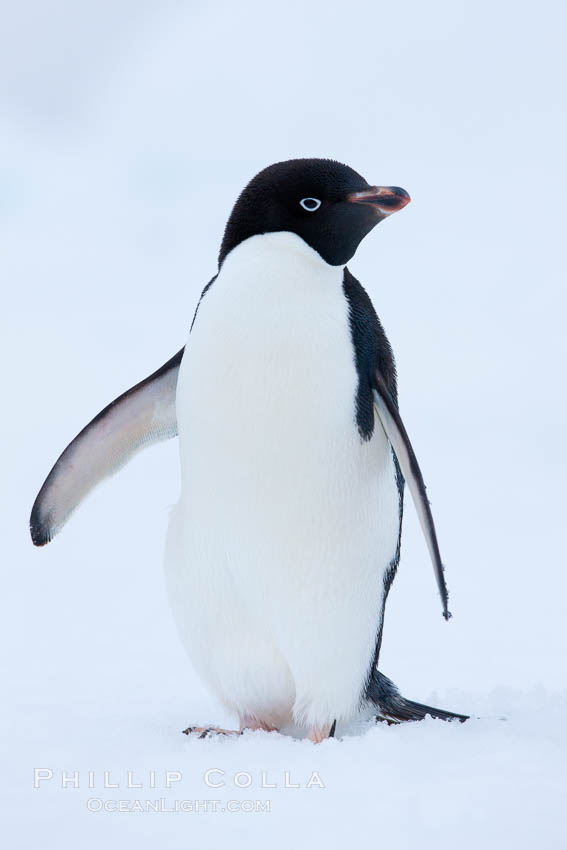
column 287, row 520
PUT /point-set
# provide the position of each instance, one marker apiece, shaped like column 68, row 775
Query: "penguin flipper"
column 400, row 442
column 143, row 415
column 383, row 695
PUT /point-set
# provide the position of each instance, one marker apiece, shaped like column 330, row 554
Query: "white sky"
column 128, row 133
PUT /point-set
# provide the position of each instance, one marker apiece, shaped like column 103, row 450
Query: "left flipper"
column 400, row 442
column 143, row 415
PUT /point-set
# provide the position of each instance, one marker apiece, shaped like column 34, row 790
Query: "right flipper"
column 394, row 708
column 397, row 435
column 143, row 415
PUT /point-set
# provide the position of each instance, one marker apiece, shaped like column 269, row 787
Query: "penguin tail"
column 392, row 707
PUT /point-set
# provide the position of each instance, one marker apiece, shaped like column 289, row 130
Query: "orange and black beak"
column 385, row 199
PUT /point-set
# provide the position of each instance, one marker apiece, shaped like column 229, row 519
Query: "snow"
column 493, row 783
column 118, row 169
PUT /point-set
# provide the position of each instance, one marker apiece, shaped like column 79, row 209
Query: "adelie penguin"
column 286, row 539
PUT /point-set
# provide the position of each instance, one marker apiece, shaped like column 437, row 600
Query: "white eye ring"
column 310, row 204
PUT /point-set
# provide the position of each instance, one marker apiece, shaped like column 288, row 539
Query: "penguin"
column 284, row 544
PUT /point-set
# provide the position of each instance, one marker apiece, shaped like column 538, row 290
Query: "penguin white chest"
column 287, row 521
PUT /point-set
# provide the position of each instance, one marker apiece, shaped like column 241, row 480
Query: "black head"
column 326, row 203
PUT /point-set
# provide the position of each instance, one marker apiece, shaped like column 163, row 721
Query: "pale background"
column 126, row 132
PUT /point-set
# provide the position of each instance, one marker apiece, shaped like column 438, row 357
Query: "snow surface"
column 127, row 131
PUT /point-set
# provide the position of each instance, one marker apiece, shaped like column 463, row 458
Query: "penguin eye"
column 310, row 204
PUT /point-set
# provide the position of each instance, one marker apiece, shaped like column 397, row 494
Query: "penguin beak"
column 386, row 199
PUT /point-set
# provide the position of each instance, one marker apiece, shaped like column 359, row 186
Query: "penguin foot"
column 209, row 731
column 252, row 724
column 319, row 733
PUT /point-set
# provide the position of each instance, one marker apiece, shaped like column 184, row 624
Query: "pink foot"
column 254, row 724
column 319, row 733
column 209, row 731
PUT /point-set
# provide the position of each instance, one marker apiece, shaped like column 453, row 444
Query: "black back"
column 372, row 351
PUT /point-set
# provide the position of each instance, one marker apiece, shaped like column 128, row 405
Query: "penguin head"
column 327, row 204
